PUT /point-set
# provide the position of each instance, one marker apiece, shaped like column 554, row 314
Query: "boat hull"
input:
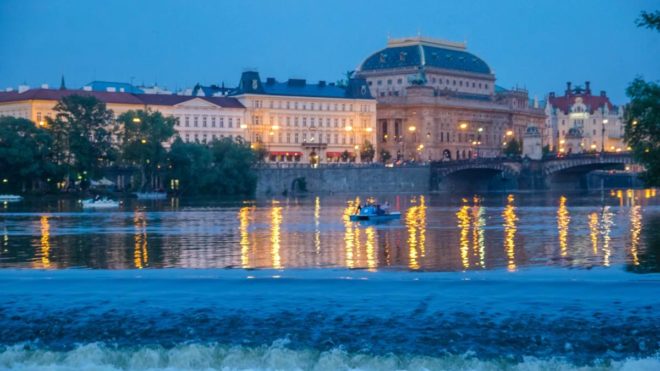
column 375, row 218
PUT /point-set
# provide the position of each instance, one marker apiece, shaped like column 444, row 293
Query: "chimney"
column 587, row 88
column 602, row 93
column 552, row 94
column 568, row 88
column 44, row 86
column 23, row 88
column 322, row 83
column 270, row 80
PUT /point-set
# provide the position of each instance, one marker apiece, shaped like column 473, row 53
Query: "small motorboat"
column 10, row 198
column 151, row 195
column 374, row 213
column 100, row 203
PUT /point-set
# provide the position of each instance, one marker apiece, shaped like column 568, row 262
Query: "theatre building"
column 437, row 101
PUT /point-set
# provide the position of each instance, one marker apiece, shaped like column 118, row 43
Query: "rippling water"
column 436, row 233
column 527, row 281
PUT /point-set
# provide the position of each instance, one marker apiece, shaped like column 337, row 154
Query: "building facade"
column 200, row 119
column 436, row 101
column 579, row 121
column 299, row 122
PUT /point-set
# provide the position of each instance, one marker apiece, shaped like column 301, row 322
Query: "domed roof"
column 425, row 52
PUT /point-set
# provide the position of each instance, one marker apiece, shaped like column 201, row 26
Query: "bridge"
column 519, row 173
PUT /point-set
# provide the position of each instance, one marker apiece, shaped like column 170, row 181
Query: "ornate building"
column 308, row 123
column 437, row 101
column 579, row 121
column 200, row 119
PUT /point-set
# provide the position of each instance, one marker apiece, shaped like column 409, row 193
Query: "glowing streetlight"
column 144, row 141
column 463, row 126
column 276, row 127
column 562, row 141
column 348, row 128
column 480, row 130
column 136, row 120
column 369, row 130
column 509, row 133
column 243, row 126
column 411, row 129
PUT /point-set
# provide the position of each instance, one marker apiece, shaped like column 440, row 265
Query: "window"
column 379, row 82
column 229, row 123
column 296, row 138
column 213, row 121
column 187, row 121
column 288, row 137
column 304, row 121
column 288, row 121
column 222, row 122
column 295, row 122
column 389, row 82
column 311, row 121
column 204, row 121
column 195, row 121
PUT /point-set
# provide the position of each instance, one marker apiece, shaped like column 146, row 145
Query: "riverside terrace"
column 568, row 172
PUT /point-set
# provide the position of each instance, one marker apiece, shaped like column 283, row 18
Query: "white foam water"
column 97, row 356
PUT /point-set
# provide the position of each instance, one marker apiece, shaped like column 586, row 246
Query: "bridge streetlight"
column 602, row 137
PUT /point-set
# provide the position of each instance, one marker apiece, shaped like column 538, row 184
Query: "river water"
column 488, row 281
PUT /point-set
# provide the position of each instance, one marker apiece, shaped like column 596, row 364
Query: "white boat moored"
column 10, row 198
column 103, row 203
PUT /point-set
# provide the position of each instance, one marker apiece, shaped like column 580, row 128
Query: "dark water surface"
column 436, row 233
column 521, row 281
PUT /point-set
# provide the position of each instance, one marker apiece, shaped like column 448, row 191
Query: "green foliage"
column 25, row 156
column 385, row 155
column 649, row 20
column 224, row 167
column 512, row 148
column 260, row 152
column 367, row 152
column 141, row 137
column 81, row 135
column 345, row 156
column 642, row 131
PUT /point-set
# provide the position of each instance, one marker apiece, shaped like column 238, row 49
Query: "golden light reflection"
column 275, row 235
column 563, row 221
column 478, row 240
column 45, row 242
column 593, row 231
column 370, row 244
column 416, row 225
column 510, row 218
column 317, row 224
column 244, row 220
column 463, row 216
column 635, row 232
column 140, row 253
column 349, row 235
column 606, row 228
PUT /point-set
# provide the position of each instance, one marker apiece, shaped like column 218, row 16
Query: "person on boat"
column 359, row 209
column 386, row 207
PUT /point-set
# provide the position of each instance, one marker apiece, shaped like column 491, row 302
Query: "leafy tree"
column 233, row 161
column 25, row 157
column 345, row 156
column 82, row 135
column 141, row 139
column 513, row 148
column 642, row 132
column 649, row 20
column 367, row 152
column 260, row 151
column 191, row 165
column 385, row 155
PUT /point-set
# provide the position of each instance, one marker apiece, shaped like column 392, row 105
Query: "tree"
column 367, row 152
column 260, row 151
column 25, row 156
column 141, row 137
column 649, row 20
column 512, row 148
column 233, row 162
column 642, row 131
column 345, row 156
column 82, row 135
column 190, row 164
column 385, row 155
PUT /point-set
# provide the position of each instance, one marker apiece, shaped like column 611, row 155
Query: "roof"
column 118, row 86
column 423, row 52
column 592, row 102
column 116, row 98
column 251, row 84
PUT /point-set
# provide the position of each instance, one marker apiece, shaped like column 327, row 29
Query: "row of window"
column 438, row 81
column 313, row 106
column 298, row 138
column 206, row 121
column 204, row 138
column 303, row 121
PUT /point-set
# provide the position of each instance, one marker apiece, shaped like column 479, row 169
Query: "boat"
column 10, row 198
column 101, row 203
column 374, row 213
column 151, row 195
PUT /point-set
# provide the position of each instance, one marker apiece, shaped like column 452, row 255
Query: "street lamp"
column 602, row 137
column 463, row 126
column 136, row 120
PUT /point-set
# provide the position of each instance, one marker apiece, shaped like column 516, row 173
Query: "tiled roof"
column 593, row 102
column 116, row 98
column 422, row 55
column 252, row 84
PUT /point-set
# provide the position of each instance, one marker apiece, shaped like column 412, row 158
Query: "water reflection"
column 563, row 220
column 436, row 232
column 510, row 219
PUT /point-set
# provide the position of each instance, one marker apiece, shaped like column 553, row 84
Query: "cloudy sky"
column 532, row 44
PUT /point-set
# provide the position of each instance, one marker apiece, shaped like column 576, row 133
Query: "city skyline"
column 80, row 41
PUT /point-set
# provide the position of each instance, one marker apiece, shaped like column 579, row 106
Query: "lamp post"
column 412, row 130
column 602, row 137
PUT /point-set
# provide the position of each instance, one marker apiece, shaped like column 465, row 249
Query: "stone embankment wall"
column 276, row 181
